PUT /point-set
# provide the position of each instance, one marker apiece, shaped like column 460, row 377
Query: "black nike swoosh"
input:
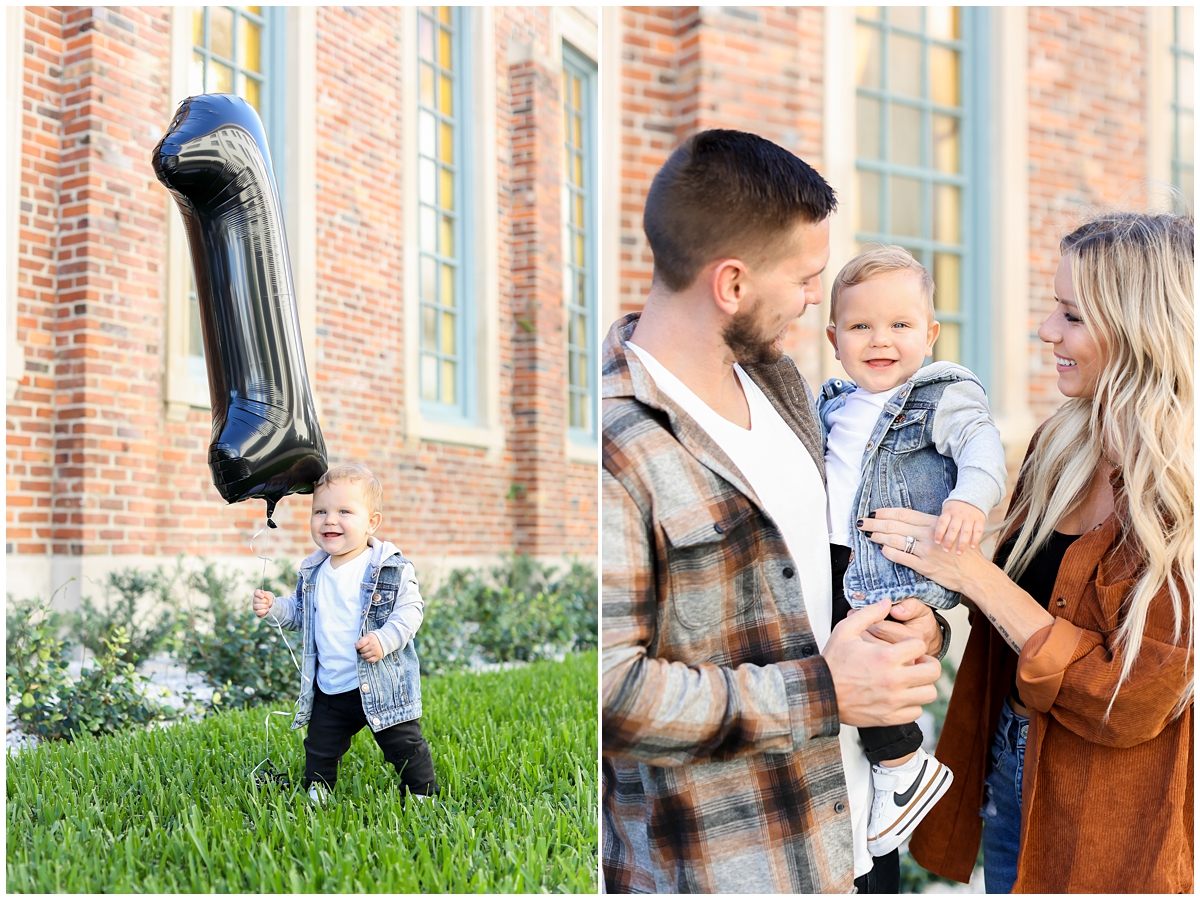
column 902, row 799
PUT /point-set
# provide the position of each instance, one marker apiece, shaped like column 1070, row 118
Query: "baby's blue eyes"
column 867, row 327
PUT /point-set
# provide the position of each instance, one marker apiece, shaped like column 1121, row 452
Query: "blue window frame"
column 579, row 238
column 443, row 183
column 1183, row 104
column 921, row 157
column 237, row 50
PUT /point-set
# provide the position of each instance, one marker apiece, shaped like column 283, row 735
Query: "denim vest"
column 391, row 688
column 901, row 467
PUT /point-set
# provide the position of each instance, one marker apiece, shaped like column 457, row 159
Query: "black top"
column 1039, row 576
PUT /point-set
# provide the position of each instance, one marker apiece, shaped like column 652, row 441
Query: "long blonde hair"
column 1133, row 280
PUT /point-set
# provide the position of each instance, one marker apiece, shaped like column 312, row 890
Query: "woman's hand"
column 891, row 529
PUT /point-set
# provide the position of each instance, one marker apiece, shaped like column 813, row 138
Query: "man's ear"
column 831, row 333
column 730, row 285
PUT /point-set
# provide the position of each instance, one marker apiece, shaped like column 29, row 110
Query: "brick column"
column 539, row 359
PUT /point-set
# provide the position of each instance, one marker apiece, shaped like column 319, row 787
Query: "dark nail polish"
column 859, row 523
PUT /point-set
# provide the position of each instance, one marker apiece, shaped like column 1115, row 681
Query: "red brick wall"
column 1087, row 143
column 89, row 441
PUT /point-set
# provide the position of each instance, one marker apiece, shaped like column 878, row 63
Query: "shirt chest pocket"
column 907, row 431
column 711, row 560
column 383, row 601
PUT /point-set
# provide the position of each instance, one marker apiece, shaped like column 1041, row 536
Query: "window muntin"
column 1183, row 104
column 227, row 58
column 443, row 376
column 578, row 85
column 911, row 167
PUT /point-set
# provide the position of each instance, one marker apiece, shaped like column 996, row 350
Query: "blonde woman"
column 1070, row 729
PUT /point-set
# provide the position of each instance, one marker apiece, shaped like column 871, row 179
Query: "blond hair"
column 372, row 487
column 1133, row 279
column 877, row 260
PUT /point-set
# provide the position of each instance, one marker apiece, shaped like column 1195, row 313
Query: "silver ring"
column 909, row 543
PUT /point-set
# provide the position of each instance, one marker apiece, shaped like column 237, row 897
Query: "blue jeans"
column 1002, row 802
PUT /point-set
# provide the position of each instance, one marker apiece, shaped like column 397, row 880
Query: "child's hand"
column 962, row 522
column 262, row 602
column 369, row 648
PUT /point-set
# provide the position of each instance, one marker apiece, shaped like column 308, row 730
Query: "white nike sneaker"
column 317, row 793
column 903, row 795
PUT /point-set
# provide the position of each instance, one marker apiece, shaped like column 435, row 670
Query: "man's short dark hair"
column 724, row 194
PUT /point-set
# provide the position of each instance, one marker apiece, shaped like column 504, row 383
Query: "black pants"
column 336, row 718
column 885, row 741
column 884, row 877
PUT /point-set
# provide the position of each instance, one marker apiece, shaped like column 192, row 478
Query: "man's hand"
column 369, row 648
column 262, row 602
column 878, row 683
column 915, row 621
column 962, row 522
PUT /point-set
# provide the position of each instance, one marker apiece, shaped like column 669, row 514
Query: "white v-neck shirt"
column 782, row 473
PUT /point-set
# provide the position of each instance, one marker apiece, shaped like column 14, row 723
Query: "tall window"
column 229, row 55
column 580, row 269
column 915, row 160
column 444, row 379
column 1183, row 105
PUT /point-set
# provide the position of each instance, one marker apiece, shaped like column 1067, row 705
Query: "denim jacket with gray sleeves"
column 392, row 608
column 934, row 440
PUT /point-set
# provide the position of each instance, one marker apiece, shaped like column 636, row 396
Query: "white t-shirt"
column 337, row 620
column 787, row 482
column 849, row 430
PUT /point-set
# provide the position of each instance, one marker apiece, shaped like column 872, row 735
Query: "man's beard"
column 750, row 346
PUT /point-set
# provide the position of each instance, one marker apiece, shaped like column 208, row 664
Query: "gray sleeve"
column 407, row 615
column 963, row 429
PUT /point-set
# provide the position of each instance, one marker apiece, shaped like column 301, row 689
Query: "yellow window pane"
column 577, row 131
column 585, row 410
column 426, row 79
column 429, row 269
column 577, row 211
column 866, row 211
column 905, row 147
column 579, row 259
column 867, row 12
column 220, row 78
column 906, row 206
column 447, row 143
column 943, row 22
column 220, row 31
column 425, row 38
column 946, row 144
column 868, row 51
column 252, row 92
column 448, row 334
column 947, row 279
column 198, row 25
column 249, row 45
column 196, row 75
column 449, row 370
column 947, row 213
column 905, row 17
column 446, row 243
column 869, row 114
column 429, row 379
column 943, row 75
column 578, row 173
column 257, row 10
column 949, row 343
column 444, row 14
column 581, row 287
column 428, row 327
column 447, row 198
column 445, row 95
column 904, row 66
column 448, row 298
column 445, row 57
column 577, row 92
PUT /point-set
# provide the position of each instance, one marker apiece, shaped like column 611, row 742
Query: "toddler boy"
column 357, row 606
column 900, row 435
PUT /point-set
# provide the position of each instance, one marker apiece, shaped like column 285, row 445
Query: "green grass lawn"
column 175, row 810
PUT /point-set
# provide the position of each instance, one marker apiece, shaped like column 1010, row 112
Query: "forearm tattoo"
column 1004, row 634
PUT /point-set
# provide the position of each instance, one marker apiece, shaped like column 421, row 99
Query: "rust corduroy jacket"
column 1106, row 804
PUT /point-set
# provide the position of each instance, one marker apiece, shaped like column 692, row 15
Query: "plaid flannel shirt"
column 722, row 769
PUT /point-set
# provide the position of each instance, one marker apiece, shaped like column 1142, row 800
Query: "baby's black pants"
column 336, row 718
